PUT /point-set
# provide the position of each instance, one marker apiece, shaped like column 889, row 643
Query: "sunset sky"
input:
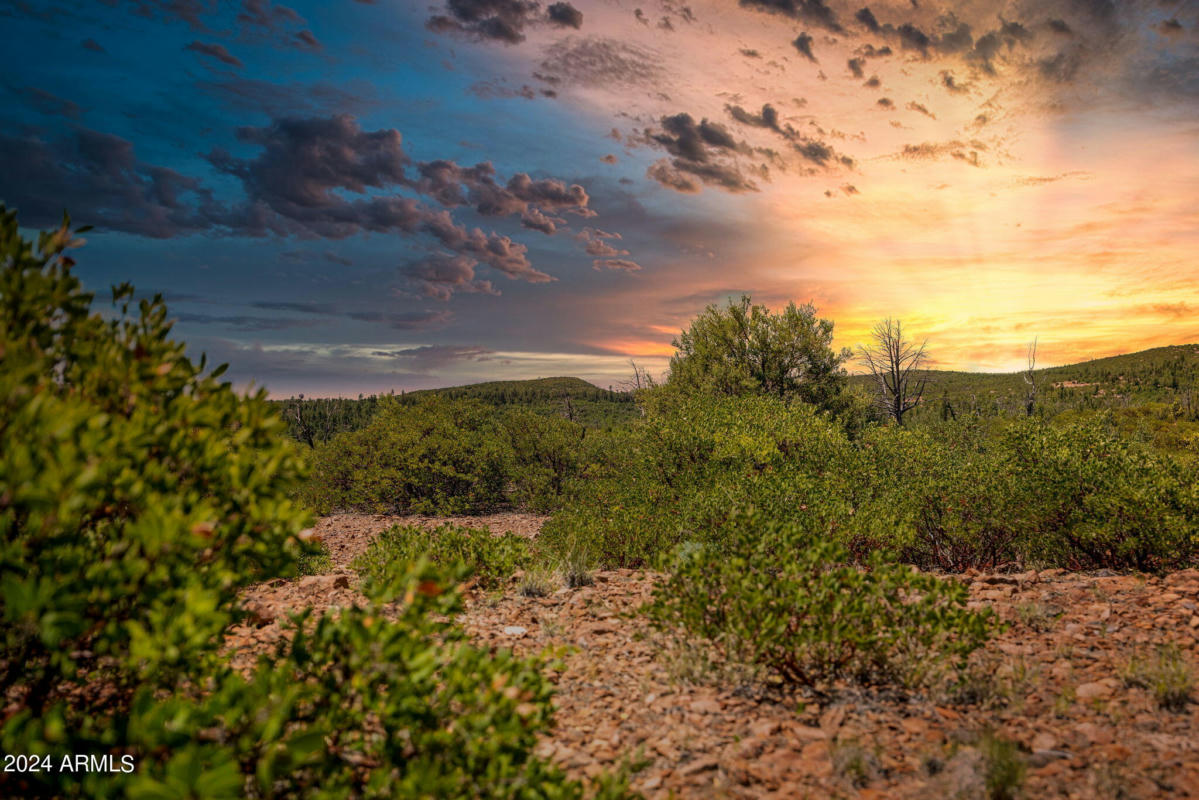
column 354, row 196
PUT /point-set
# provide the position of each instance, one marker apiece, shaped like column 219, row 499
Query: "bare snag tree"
column 1030, row 380
column 896, row 366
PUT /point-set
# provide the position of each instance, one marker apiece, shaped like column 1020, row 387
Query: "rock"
column 701, row 764
column 763, row 728
column 515, row 630
column 1093, row 691
column 1044, row 741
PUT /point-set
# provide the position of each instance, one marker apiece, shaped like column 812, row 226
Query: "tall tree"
column 746, row 349
column 895, row 363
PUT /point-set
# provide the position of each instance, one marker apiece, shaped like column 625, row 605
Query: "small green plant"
column 1004, row 767
column 316, row 562
column 1166, row 675
column 1065, row 700
column 774, row 596
column 536, row 583
column 854, row 764
column 1037, row 616
column 489, row 558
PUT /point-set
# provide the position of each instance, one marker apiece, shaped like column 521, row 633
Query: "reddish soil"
column 1052, row 683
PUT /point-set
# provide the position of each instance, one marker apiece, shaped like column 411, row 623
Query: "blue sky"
column 355, row 197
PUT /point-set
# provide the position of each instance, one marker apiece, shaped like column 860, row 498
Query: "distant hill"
column 1165, row 375
column 316, row 420
column 571, row 397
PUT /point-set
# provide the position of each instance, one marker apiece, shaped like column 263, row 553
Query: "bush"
column 1077, row 495
column 547, row 455
column 773, row 595
column 137, row 494
column 490, row 559
column 435, row 456
column 677, row 475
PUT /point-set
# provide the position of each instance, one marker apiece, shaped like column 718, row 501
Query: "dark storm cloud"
column 813, row 12
column 216, row 51
column 188, row 11
column 768, row 118
column 303, row 161
column 107, row 185
column 702, row 153
column 502, row 21
column 803, row 43
column 868, row 20
column 565, row 15
column 265, row 14
column 46, row 103
column 306, row 40
column 967, row 152
column 683, row 137
column 885, row 102
column 1060, row 27
column 596, row 243
column 297, row 184
column 1169, row 27
column 748, row 53
column 687, row 177
column 809, row 149
column 598, row 61
column 920, row 109
column 441, row 275
column 93, row 45
column 622, row 264
column 453, row 185
column 951, row 84
column 855, row 67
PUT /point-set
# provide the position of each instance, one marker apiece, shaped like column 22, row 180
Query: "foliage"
column 744, row 348
column 961, row 495
column 432, row 457
column 772, row 594
column 489, row 558
column 316, row 420
column 443, row 456
column 145, row 492
column 1166, row 675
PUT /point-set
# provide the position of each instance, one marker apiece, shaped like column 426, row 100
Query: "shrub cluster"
column 1078, row 494
column 487, row 558
column 771, row 594
column 137, row 494
column 448, row 456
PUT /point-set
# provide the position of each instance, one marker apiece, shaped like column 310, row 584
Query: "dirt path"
column 1051, row 683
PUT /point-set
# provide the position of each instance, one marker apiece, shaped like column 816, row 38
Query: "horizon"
column 616, row 388
column 345, row 199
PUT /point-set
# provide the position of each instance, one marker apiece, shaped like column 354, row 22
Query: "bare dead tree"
column 1030, row 380
column 895, row 364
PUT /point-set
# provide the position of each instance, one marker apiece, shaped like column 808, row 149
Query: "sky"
column 354, row 197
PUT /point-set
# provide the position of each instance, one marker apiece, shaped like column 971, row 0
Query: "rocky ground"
column 1071, row 684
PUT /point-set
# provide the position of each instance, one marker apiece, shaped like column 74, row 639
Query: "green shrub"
column 489, row 558
column 675, row 477
column 137, row 494
column 547, row 455
column 433, row 456
column 774, row 595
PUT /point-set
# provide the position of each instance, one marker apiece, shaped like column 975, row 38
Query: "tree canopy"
column 745, row 348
